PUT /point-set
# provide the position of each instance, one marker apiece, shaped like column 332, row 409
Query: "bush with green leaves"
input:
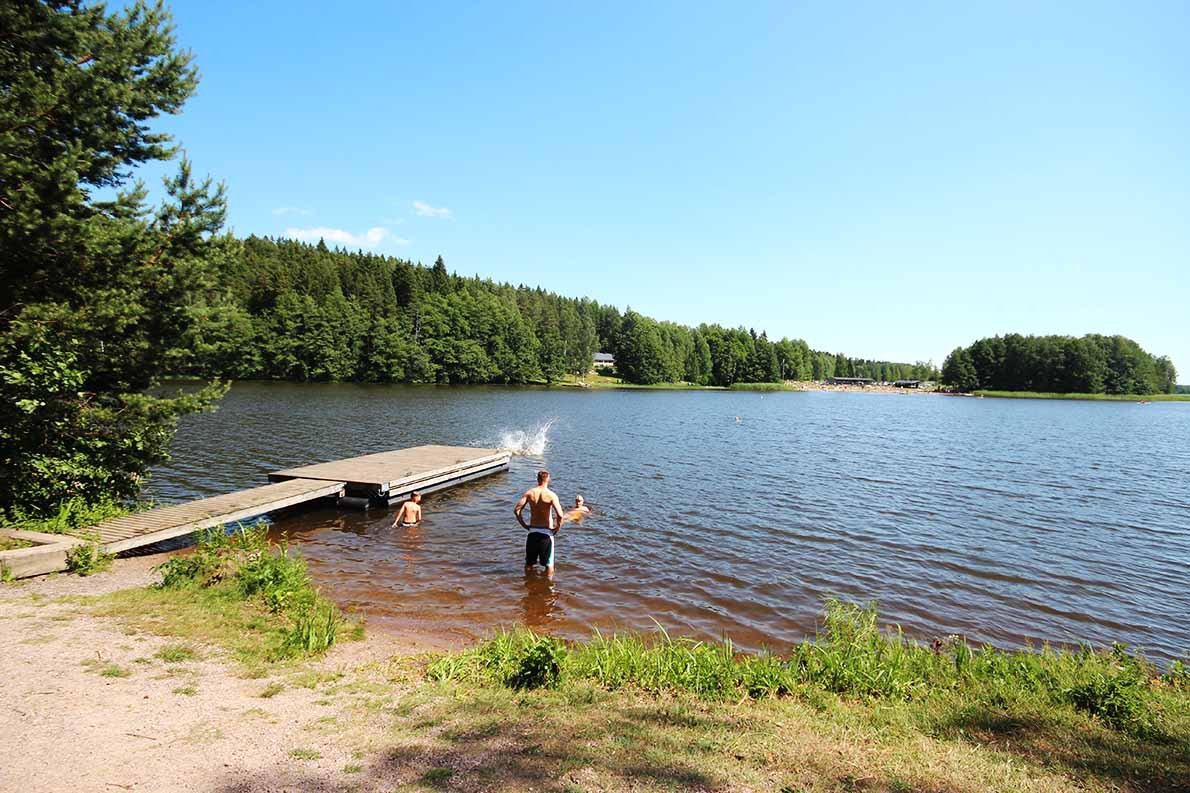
column 69, row 516
column 245, row 564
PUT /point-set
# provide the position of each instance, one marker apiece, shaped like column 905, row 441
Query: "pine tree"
column 92, row 292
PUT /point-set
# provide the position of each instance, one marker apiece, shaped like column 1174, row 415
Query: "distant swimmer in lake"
column 545, row 518
column 579, row 511
column 409, row 514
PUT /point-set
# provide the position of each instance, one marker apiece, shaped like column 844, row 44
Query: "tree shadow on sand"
column 513, row 742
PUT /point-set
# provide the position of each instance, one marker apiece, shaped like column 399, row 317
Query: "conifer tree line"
column 104, row 295
column 1093, row 364
column 283, row 309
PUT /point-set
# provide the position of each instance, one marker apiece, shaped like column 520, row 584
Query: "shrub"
column 280, row 579
column 88, row 559
column 540, row 665
column 72, row 514
column 1178, row 676
column 1114, row 688
column 246, row 565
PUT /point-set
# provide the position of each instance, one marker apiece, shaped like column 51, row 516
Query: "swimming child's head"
column 578, row 501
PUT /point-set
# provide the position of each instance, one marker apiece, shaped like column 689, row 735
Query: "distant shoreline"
column 606, row 382
column 1081, row 397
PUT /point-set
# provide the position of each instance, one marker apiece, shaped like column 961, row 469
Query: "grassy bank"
column 1091, row 397
column 239, row 592
column 941, row 717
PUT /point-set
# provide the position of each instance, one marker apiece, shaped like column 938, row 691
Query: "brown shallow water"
column 1009, row 521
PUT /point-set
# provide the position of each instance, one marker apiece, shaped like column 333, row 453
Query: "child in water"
column 410, row 513
column 580, row 510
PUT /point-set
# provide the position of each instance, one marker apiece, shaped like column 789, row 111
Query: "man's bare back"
column 544, row 507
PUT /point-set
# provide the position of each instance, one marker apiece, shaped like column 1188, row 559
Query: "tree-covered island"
column 1092, row 364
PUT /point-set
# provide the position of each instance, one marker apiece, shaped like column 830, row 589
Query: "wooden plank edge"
column 408, row 485
column 255, row 511
column 499, row 457
column 397, row 495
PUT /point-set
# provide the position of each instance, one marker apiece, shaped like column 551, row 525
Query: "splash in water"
column 531, row 443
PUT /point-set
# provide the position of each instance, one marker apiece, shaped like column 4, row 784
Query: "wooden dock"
column 378, row 479
column 390, row 476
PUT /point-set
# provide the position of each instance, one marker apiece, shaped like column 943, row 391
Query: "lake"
column 739, row 514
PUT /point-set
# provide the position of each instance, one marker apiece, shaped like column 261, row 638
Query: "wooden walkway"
column 145, row 528
column 372, row 478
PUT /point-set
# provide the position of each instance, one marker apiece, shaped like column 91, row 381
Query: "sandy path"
column 66, row 727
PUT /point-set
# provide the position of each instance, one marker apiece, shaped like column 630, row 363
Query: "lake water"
column 1008, row 521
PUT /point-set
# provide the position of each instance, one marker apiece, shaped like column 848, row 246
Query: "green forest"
column 105, row 295
column 280, row 309
column 1092, row 364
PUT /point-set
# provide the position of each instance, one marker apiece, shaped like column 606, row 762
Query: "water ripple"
column 1009, row 521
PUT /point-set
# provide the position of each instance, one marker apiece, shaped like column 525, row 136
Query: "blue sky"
column 887, row 180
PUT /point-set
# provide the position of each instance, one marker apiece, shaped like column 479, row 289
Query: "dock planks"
column 165, row 523
column 378, row 478
column 399, row 472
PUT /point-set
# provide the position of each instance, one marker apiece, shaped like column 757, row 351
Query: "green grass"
column 1091, row 397
column 186, row 691
column 305, row 754
column 271, row 690
column 177, row 653
column 579, row 735
column 853, row 658
column 237, row 592
column 12, row 543
column 437, row 776
column 88, row 559
column 763, row 387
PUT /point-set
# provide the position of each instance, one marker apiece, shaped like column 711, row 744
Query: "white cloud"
column 368, row 239
column 282, row 211
column 426, row 211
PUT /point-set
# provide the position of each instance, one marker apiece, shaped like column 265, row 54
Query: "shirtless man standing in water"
column 542, row 525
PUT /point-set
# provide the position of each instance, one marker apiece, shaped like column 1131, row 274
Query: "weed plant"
column 88, row 559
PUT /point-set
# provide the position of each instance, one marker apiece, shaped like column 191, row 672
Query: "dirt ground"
column 70, row 723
